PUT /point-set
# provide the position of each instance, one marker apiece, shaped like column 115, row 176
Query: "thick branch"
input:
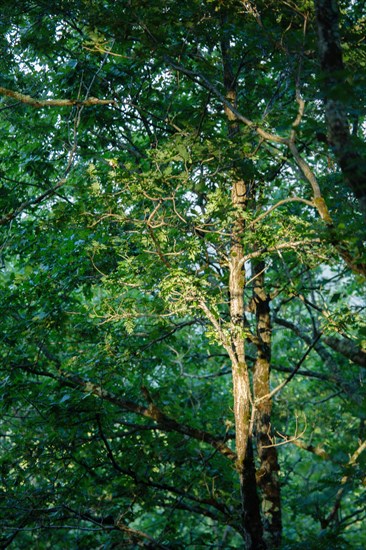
column 40, row 103
column 344, row 346
column 347, row 348
column 151, row 411
column 154, row 413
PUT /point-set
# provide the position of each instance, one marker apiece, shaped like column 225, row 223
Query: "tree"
column 182, row 275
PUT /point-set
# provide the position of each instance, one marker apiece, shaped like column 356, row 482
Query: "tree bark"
column 267, row 474
column 243, row 402
column 241, row 384
column 252, row 520
column 251, row 516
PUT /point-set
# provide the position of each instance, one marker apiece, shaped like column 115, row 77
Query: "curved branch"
column 280, row 203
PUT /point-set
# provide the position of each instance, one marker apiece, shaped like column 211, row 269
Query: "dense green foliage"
column 117, row 426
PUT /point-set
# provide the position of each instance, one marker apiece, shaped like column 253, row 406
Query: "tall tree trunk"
column 267, row 474
column 243, row 402
column 241, row 384
column 350, row 157
column 251, row 516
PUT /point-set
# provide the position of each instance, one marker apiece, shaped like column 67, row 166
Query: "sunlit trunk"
column 251, row 517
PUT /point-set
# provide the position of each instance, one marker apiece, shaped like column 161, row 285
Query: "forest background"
column 183, row 336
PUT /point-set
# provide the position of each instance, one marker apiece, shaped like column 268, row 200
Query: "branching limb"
column 224, row 338
column 277, row 205
column 40, row 103
column 290, row 245
column 152, row 411
column 285, row 439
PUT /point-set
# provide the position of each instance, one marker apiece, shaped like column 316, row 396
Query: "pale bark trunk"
column 251, row 515
column 241, row 384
